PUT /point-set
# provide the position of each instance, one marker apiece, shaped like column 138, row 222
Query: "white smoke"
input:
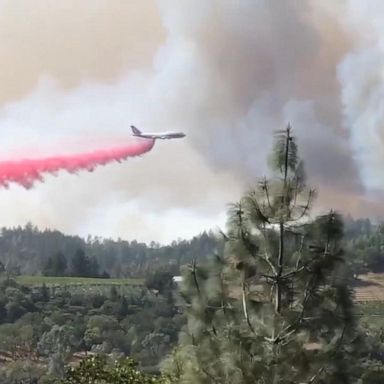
column 248, row 69
column 361, row 75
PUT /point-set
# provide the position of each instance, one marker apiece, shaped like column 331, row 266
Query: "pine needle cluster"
column 275, row 307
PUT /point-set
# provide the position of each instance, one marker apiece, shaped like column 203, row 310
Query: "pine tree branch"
column 300, row 251
column 225, row 237
column 245, row 308
column 270, row 277
column 323, row 368
column 293, row 273
column 266, row 258
column 226, row 307
column 223, row 304
column 260, row 213
column 280, row 259
column 269, row 262
column 209, row 375
column 201, row 367
column 287, row 143
column 292, row 328
column 280, row 337
column 316, row 375
column 195, row 277
column 265, row 188
column 296, row 191
column 279, row 269
column 311, row 195
column 198, row 289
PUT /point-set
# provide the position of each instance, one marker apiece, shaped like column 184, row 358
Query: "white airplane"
column 160, row 135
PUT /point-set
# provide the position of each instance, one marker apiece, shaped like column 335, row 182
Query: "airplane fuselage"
column 161, row 135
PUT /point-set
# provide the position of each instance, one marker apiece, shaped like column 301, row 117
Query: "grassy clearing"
column 50, row 281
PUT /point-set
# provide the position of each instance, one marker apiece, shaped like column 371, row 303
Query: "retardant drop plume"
column 27, row 171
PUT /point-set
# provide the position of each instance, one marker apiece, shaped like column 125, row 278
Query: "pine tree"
column 44, row 293
column 275, row 308
column 55, row 265
column 80, row 264
column 123, row 309
column 59, row 264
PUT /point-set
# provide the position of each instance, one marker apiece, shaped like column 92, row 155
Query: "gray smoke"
column 252, row 67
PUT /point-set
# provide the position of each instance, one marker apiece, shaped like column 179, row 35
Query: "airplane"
column 154, row 136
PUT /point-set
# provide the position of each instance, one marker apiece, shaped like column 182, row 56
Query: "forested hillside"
column 29, row 251
column 42, row 328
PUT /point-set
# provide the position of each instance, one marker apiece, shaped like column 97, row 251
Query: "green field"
column 50, row 281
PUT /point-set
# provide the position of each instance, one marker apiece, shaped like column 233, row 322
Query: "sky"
column 75, row 76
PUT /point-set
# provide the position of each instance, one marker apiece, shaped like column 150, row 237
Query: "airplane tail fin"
column 135, row 130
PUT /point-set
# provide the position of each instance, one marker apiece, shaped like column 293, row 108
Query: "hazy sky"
column 75, row 75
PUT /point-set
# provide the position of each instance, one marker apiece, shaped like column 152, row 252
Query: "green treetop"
column 274, row 308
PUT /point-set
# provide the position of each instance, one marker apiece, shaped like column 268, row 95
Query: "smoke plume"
column 27, row 171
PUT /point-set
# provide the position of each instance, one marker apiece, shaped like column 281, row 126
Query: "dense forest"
column 29, row 251
column 51, row 327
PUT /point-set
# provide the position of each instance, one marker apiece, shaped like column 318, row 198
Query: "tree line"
column 30, row 251
column 80, row 266
column 27, row 250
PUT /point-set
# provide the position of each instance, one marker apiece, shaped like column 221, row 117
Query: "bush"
column 97, row 370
